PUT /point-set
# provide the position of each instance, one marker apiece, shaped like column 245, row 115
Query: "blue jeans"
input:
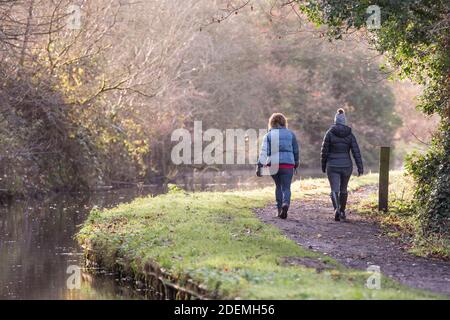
column 283, row 179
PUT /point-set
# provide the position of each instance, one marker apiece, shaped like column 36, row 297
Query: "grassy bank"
column 215, row 240
column 402, row 221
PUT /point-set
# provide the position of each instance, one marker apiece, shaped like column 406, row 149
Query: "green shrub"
column 431, row 173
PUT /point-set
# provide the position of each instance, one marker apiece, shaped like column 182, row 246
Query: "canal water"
column 38, row 249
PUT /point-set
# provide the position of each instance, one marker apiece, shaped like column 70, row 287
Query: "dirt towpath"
column 358, row 242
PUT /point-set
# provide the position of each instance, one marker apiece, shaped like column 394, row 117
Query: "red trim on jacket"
column 286, row 166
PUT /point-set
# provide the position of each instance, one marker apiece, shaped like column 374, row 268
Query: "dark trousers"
column 339, row 178
column 283, row 179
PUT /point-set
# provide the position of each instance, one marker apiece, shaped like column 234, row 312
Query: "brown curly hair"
column 277, row 120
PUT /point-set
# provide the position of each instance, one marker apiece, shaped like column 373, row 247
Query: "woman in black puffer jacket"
column 336, row 162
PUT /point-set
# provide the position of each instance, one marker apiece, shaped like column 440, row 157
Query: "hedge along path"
column 212, row 245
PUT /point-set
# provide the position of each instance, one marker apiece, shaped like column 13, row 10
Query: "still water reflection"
column 37, row 246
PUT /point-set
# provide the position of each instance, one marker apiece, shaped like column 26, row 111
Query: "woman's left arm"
column 264, row 154
column 324, row 151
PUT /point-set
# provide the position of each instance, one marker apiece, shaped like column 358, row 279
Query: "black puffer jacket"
column 336, row 146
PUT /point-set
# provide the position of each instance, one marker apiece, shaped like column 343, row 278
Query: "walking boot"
column 284, row 211
column 336, row 204
column 279, row 212
column 333, row 200
column 343, row 204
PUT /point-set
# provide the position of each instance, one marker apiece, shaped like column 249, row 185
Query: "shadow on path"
column 358, row 242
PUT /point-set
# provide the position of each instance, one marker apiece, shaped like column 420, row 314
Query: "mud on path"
column 358, row 242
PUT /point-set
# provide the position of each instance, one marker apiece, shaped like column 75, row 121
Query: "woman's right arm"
column 357, row 155
column 296, row 150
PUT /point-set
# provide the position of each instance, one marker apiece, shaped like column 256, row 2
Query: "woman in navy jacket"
column 336, row 162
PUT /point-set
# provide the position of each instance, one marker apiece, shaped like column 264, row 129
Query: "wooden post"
column 383, row 187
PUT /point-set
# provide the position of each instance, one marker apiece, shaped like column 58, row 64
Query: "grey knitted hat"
column 339, row 118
